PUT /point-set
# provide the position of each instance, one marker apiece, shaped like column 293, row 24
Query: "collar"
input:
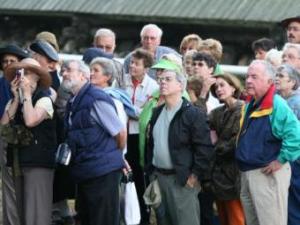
column 265, row 105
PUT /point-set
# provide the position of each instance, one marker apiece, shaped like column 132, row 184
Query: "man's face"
column 71, row 75
column 201, row 69
column 168, row 84
column 257, row 82
column 8, row 59
column 106, row 43
column 293, row 32
column 150, row 40
column 43, row 61
column 291, row 56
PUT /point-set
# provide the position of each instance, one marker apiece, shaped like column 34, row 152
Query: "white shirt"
column 139, row 96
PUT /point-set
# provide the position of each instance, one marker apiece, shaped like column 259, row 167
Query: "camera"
column 19, row 73
column 63, row 154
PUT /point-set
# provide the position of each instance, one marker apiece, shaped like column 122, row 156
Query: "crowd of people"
column 216, row 151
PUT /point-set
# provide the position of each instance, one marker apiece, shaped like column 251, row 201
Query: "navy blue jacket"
column 94, row 150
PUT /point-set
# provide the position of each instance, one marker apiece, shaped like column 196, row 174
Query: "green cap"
column 167, row 65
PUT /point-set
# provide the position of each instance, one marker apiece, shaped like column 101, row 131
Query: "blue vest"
column 94, row 150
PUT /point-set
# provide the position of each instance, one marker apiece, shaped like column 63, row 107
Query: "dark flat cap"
column 287, row 21
column 45, row 49
column 13, row 50
column 92, row 53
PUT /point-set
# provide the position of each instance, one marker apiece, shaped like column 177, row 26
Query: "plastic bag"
column 130, row 206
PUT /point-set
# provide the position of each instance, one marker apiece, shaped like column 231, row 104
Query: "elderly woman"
column 224, row 125
column 102, row 76
column 287, row 83
column 31, row 137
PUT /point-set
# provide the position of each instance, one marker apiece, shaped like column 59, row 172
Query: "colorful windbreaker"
column 269, row 130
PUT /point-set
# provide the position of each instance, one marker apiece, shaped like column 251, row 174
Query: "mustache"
column 291, row 36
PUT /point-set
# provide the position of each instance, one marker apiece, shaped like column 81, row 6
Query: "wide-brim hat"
column 287, row 21
column 48, row 37
column 45, row 80
column 232, row 81
column 45, row 49
column 13, row 50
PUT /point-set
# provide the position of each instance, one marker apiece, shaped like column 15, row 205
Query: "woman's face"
column 188, row 66
column 224, row 90
column 283, row 82
column 32, row 78
column 98, row 78
column 137, row 68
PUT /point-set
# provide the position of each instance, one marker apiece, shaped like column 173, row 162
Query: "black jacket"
column 189, row 142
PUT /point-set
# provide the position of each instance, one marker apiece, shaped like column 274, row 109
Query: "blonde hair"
column 213, row 47
column 195, row 38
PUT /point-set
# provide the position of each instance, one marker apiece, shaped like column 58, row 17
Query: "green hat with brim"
column 166, row 65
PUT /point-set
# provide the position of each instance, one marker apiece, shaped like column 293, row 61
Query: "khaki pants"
column 264, row 197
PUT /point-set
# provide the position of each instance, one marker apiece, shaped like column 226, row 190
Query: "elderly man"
column 268, row 140
column 291, row 55
column 95, row 136
column 105, row 39
column 292, row 26
column 179, row 149
column 150, row 39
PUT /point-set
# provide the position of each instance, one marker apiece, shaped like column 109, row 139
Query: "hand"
column 127, row 168
column 192, row 181
column 192, row 95
column 14, row 85
column 272, row 167
column 25, row 86
column 208, row 82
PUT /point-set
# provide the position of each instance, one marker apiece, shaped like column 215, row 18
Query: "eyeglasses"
column 167, row 79
column 198, row 64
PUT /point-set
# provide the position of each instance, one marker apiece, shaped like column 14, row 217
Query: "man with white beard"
column 95, row 136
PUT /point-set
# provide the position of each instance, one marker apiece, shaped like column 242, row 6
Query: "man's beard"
column 69, row 84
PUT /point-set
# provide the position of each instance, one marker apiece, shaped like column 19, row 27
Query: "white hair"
column 274, row 57
column 291, row 45
column 269, row 68
column 105, row 32
column 154, row 27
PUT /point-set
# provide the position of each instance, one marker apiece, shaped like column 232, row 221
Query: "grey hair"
column 269, row 68
column 292, row 73
column 82, row 67
column 105, row 32
column 152, row 26
column 181, row 78
column 292, row 45
column 274, row 57
column 107, row 66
